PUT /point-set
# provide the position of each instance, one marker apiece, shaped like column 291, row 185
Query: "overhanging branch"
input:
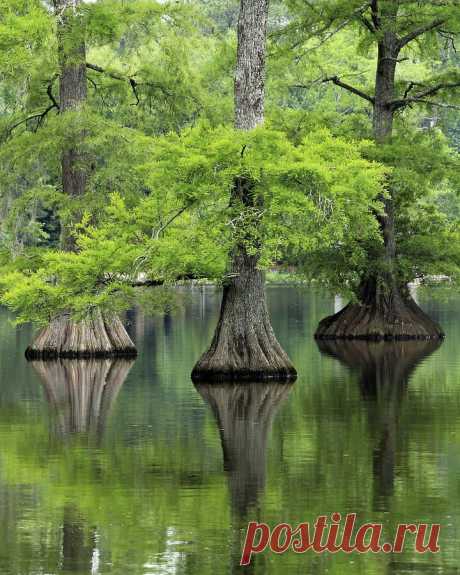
column 338, row 82
column 40, row 115
column 402, row 103
column 419, row 31
column 133, row 83
column 440, row 104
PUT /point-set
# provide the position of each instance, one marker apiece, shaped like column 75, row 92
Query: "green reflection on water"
column 108, row 467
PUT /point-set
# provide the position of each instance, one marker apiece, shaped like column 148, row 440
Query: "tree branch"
column 440, row 104
column 368, row 24
column 170, row 221
column 134, row 84
column 397, row 104
column 155, row 283
column 49, row 91
column 419, row 31
column 375, row 14
column 336, row 80
column 41, row 116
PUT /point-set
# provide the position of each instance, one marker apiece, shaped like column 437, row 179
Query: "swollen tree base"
column 380, row 314
column 244, row 347
column 99, row 336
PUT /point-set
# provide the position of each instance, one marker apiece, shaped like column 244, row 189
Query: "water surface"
column 128, row 468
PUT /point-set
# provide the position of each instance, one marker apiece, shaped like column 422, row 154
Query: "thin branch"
column 134, row 84
column 155, row 283
column 170, row 221
column 49, row 91
column 375, row 14
column 41, row 116
column 419, row 31
column 336, row 80
column 101, row 70
column 368, row 24
column 440, row 104
column 397, row 104
column 409, row 88
column 356, row 13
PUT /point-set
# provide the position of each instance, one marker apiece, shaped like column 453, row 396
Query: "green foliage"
column 162, row 158
column 315, row 194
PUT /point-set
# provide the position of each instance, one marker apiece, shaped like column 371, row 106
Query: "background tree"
column 384, row 307
column 96, row 335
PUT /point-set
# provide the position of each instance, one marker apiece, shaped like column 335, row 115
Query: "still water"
column 128, row 468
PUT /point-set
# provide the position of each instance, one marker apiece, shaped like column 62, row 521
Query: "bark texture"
column 72, row 98
column 96, row 336
column 384, row 370
column 381, row 313
column 385, row 309
column 244, row 346
column 244, row 415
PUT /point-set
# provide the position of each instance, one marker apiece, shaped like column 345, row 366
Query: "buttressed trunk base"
column 244, row 345
column 98, row 336
column 382, row 312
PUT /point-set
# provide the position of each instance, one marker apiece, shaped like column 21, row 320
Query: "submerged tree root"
column 375, row 320
column 99, row 336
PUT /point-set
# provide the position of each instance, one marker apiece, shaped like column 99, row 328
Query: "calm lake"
column 128, row 468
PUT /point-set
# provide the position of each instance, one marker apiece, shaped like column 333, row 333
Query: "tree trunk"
column 97, row 336
column 384, row 308
column 72, row 98
column 244, row 344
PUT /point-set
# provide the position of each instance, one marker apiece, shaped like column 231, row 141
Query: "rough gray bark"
column 384, row 370
column 72, row 97
column 96, row 336
column 250, row 66
column 385, row 308
column 244, row 344
column 244, row 415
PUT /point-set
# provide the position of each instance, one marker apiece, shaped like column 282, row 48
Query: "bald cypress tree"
column 384, row 308
column 244, row 344
column 97, row 335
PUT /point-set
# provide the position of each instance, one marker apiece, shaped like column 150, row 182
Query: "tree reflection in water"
column 80, row 394
column 384, row 370
column 244, row 415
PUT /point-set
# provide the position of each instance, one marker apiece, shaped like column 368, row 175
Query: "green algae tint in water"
column 128, row 468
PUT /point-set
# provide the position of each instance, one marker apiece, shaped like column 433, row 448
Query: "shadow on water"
column 384, row 370
column 80, row 394
column 244, row 414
